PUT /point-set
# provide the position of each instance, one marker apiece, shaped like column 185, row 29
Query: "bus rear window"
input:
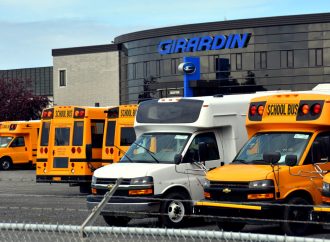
column 62, row 136
column 78, row 131
column 97, row 133
column 44, row 134
column 127, row 136
column 182, row 111
column 110, row 133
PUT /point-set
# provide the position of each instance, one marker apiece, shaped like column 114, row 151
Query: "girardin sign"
column 204, row 43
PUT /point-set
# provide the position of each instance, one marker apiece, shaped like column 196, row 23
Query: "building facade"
column 39, row 80
column 87, row 76
column 288, row 53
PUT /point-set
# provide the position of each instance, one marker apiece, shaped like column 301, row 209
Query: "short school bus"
column 18, row 143
column 70, row 145
column 119, row 134
column 280, row 164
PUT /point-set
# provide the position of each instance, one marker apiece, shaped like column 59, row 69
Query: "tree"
column 17, row 102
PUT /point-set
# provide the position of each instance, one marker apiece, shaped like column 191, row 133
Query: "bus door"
column 109, row 149
column 61, row 148
column 125, row 136
column 19, row 150
column 97, row 130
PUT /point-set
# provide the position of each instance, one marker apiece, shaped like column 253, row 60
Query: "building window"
column 315, row 57
column 239, row 61
column 62, row 75
column 174, row 65
column 287, row 59
column 157, row 67
column 263, row 60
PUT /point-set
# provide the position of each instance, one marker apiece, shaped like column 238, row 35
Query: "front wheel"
column 296, row 218
column 174, row 210
column 5, row 164
column 116, row 220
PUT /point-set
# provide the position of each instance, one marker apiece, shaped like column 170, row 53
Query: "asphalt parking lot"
column 22, row 200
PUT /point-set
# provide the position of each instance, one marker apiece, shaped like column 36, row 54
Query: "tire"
column 85, row 188
column 231, row 226
column 297, row 213
column 174, row 211
column 6, row 164
column 116, row 220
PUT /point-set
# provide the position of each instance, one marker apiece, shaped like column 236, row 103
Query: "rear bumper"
column 129, row 207
column 64, row 179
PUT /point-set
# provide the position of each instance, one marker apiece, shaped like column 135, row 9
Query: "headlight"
column 142, row 180
column 93, row 180
column 261, row 184
column 326, row 187
column 206, row 183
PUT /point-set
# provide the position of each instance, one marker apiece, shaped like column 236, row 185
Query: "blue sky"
column 30, row 29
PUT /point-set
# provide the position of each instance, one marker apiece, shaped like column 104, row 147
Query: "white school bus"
column 18, row 143
column 70, row 145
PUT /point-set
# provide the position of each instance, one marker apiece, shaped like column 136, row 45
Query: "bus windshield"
column 182, row 111
column 284, row 143
column 156, row 148
column 5, row 140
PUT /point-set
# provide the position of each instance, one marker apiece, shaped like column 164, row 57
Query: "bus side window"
column 323, row 153
column 18, row 142
column 97, row 129
column 127, row 136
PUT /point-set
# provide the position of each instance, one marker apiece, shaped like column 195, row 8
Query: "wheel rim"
column 176, row 211
column 5, row 165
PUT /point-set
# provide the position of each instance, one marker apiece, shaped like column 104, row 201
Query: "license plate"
column 56, row 178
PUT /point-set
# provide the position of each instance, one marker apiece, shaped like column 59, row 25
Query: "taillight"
column 41, row 150
column 107, row 150
column 253, row 110
column 79, row 150
column 316, row 108
column 73, row 150
column 111, row 151
column 260, row 110
column 46, row 150
column 305, row 109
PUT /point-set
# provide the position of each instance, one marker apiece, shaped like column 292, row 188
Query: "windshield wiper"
column 241, row 161
column 149, row 152
column 124, row 152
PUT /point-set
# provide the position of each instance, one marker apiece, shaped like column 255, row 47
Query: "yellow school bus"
column 277, row 175
column 18, row 143
column 70, row 145
column 119, row 134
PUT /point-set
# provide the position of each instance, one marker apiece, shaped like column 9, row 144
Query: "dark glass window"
column 78, row 131
column 110, row 139
column 315, row 57
column 62, row 74
column 44, row 134
column 18, row 142
column 323, row 149
column 127, row 136
column 62, row 136
column 239, row 61
column 211, row 144
column 263, row 60
column 287, row 59
column 183, row 111
column 174, row 65
column 97, row 133
column 157, row 67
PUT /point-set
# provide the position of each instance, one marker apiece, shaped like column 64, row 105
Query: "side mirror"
column 89, row 152
column 177, row 159
column 272, row 158
column 291, row 160
column 202, row 150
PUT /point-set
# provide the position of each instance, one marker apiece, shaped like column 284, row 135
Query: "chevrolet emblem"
column 226, row 190
column 110, row 186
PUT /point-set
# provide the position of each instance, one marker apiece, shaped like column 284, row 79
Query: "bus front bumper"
column 224, row 211
column 129, row 207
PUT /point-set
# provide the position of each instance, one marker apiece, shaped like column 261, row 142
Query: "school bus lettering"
column 127, row 113
column 63, row 114
column 282, row 109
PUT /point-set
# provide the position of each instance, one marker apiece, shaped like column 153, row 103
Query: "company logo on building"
column 204, row 43
column 187, row 67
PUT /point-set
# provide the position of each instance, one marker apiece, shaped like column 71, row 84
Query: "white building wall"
column 90, row 78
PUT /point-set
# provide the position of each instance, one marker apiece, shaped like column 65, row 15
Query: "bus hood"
column 132, row 170
column 240, row 172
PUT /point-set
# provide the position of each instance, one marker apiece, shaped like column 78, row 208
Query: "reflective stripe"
column 322, row 209
column 227, row 205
